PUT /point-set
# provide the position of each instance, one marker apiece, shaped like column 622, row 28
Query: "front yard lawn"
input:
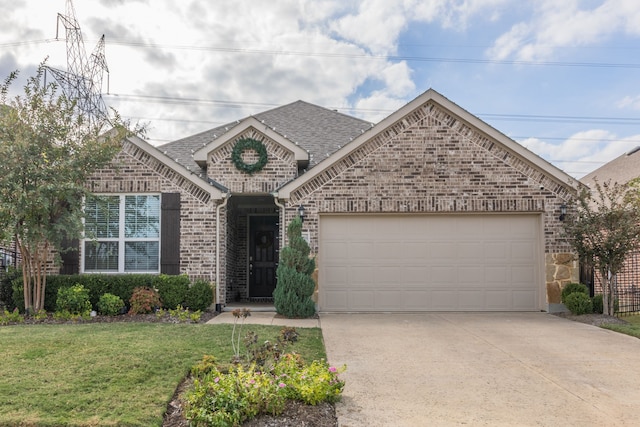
column 118, row 374
column 633, row 328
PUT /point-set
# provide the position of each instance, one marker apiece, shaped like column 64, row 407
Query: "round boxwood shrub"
column 110, row 305
column 572, row 288
column 73, row 299
column 579, row 303
column 199, row 296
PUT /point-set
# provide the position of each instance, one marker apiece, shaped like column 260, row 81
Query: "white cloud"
column 632, row 102
column 584, row 151
column 557, row 24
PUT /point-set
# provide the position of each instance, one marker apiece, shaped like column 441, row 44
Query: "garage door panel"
column 361, row 276
column 362, row 300
column 443, row 300
column 522, row 299
column 471, row 300
column 471, row 275
column 430, row 262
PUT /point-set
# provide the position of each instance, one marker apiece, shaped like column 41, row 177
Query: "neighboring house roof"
column 316, row 129
column 621, row 170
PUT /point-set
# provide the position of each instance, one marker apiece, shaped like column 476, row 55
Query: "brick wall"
column 433, row 162
column 134, row 171
column 281, row 166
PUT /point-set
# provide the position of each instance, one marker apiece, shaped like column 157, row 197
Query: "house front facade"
column 429, row 210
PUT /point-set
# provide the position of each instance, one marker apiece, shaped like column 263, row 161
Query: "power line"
column 337, row 55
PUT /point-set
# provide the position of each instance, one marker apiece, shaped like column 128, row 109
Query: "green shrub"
column 172, row 289
column 6, row 287
column 226, row 399
column 74, row 300
column 598, row 307
column 144, row 300
column 8, row 317
column 579, row 303
column 110, row 305
column 295, row 285
column 573, row 287
column 199, row 296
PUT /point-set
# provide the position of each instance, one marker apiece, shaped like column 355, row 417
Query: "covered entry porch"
column 252, row 248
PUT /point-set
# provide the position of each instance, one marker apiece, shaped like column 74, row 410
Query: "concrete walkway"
column 482, row 369
column 267, row 318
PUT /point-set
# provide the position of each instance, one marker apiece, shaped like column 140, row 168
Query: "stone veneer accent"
column 562, row 269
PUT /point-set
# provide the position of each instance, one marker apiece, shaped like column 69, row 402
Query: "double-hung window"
column 122, row 234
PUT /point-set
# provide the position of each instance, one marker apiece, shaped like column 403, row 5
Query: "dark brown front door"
column 263, row 255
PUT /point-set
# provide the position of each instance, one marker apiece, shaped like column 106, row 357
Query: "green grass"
column 110, row 374
column 633, row 328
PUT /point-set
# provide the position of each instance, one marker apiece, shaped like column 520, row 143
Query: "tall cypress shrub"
column 295, row 286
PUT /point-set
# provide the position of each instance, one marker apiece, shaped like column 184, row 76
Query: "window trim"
column 122, row 239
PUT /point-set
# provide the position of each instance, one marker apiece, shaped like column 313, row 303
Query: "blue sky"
column 560, row 77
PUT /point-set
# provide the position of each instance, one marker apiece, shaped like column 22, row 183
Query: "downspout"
column 226, row 196
column 282, row 218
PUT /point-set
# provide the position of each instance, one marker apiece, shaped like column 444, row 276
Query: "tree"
column 47, row 152
column 604, row 228
column 295, row 286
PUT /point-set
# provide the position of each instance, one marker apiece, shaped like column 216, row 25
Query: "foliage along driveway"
column 494, row 369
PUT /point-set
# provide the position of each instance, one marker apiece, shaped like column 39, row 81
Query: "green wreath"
column 249, row 144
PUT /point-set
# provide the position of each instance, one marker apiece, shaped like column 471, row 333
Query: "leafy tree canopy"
column 47, row 152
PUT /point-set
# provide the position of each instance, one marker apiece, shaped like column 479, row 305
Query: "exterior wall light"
column 301, row 213
column 563, row 212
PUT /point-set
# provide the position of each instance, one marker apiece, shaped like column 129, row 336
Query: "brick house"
column 430, row 209
column 622, row 169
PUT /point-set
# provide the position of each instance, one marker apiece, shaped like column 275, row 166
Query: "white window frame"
column 122, row 239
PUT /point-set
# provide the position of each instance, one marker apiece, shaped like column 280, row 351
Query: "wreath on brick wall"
column 249, row 144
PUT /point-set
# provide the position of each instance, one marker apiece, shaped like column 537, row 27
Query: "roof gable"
column 621, row 169
column 200, row 156
column 317, row 130
column 466, row 124
column 150, row 156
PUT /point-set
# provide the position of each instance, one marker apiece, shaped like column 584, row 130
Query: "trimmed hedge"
column 172, row 289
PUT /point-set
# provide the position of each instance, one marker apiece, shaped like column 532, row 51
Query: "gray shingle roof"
column 621, row 170
column 316, row 129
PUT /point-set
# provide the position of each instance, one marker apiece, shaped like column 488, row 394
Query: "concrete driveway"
column 482, row 369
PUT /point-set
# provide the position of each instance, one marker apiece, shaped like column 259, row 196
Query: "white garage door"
column 430, row 262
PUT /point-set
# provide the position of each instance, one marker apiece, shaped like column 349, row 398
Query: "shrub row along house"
column 431, row 209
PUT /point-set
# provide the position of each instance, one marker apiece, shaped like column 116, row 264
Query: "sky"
column 562, row 78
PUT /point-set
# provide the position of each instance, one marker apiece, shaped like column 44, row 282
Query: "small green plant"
column 579, row 303
column 199, row 296
column 238, row 313
column 39, row 315
column 231, row 398
column 110, row 305
column 181, row 314
column 74, row 299
column 144, row 300
column 312, row 384
column 572, row 288
column 8, row 317
column 195, row 316
column 160, row 313
column 266, row 354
